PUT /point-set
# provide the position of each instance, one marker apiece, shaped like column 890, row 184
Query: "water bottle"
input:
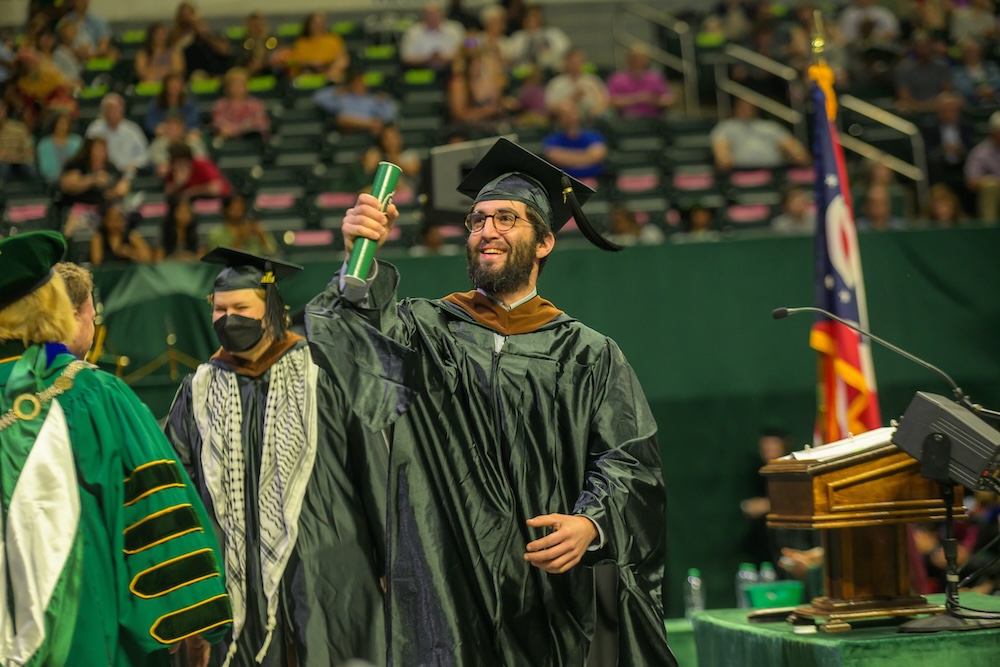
column 746, row 576
column 694, row 594
column 767, row 574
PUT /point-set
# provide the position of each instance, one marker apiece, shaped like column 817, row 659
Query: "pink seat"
column 747, row 213
column 336, row 199
column 751, row 179
column 637, row 182
column 275, row 200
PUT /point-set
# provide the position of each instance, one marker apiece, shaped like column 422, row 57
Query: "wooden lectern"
column 861, row 499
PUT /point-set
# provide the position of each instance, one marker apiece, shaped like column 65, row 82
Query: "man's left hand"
column 563, row 548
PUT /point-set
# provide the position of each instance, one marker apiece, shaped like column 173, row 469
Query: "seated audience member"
column 797, row 215
column 433, row 41
column 578, row 151
column 537, row 44
column 182, row 32
column 984, row 515
column 585, row 91
column 40, row 89
column 128, row 148
column 237, row 113
column 57, row 147
column 877, row 172
column 240, row 233
column 697, row 223
column 976, row 20
column 944, row 208
column 626, row 230
column 260, row 55
column 476, row 92
column 117, row 241
column 179, row 238
column 459, row 15
column 747, row 141
column 639, row 91
column 93, row 36
column 431, row 242
column 206, row 54
column 493, row 39
column 767, row 544
column 877, row 209
column 156, row 59
column 976, row 80
column 45, row 52
column 982, row 172
column 389, row 148
column 174, row 132
column 354, row 108
column 859, row 12
column 191, row 177
column 89, row 177
column 17, row 154
column 531, row 110
column 318, row 51
column 921, row 77
column 172, row 100
column 65, row 57
column 948, row 138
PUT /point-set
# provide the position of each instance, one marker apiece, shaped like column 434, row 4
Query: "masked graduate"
column 106, row 552
column 522, row 449
column 296, row 492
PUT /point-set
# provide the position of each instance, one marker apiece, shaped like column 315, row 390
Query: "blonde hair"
column 44, row 316
column 79, row 282
column 234, row 73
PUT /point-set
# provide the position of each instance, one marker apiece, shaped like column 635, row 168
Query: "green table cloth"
column 680, row 637
column 724, row 638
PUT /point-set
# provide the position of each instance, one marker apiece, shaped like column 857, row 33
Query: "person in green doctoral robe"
column 107, row 558
column 522, row 449
column 295, row 488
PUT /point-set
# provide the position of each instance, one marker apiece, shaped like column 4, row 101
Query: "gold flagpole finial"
column 820, row 72
column 819, row 36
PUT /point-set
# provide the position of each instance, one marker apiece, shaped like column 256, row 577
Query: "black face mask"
column 237, row 333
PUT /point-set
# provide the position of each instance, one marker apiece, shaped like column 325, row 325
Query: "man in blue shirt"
column 580, row 152
column 355, row 109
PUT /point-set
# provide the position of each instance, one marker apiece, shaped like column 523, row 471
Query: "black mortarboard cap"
column 508, row 171
column 245, row 270
column 26, row 262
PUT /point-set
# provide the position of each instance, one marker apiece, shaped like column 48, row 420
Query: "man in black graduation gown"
column 522, row 447
column 295, row 489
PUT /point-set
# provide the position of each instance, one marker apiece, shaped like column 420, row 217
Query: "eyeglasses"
column 503, row 221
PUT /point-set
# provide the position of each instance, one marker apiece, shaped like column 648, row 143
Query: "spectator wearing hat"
column 982, row 172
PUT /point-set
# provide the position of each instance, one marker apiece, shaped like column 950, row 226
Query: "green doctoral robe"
column 486, row 432
column 147, row 573
column 330, row 596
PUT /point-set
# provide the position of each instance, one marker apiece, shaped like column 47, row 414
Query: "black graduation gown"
column 556, row 422
column 331, row 602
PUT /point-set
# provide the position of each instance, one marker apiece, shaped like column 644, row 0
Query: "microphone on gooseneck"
column 960, row 396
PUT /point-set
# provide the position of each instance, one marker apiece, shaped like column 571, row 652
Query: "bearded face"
column 502, row 263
